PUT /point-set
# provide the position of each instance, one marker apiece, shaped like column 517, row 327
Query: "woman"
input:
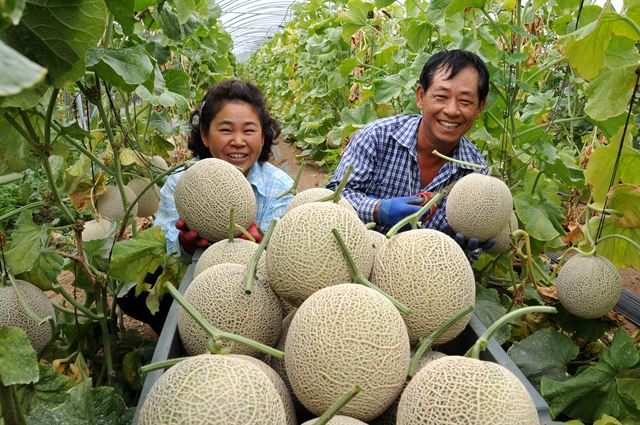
column 234, row 125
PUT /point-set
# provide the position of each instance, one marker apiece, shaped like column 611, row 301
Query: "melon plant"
column 462, row 390
column 96, row 229
column 218, row 295
column 216, row 389
column 428, row 271
column 12, row 314
column 588, row 286
column 479, row 206
column 304, row 256
column 343, row 336
column 149, row 202
column 314, row 194
column 206, row 193
column 110, row 205
column 503, row 239
column 240, row 251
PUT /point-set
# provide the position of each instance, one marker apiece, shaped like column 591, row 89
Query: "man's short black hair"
column 455, row 61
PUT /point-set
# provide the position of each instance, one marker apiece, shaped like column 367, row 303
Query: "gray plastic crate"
column 169, row 346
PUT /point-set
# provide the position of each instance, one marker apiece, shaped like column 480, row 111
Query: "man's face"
column 449, row 107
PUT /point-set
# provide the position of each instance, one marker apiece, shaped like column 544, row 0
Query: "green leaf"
column 456, row 6
column 132, row 259
column 168, row 21
column 25, row 245
column 184, row 8
column 545, row 353
column 542, row 219
column 384, row 3
column 630, row 388
column 49, row 391
column 45, row 270
column 56, row 34
column 594, row 391
column 626, row 198
column 489, row 309
column 610, row 92
column 418, row 33
column 387, row 88
column 346, row 66
column 18, row 72
column 123, row 10
column 18, row 359
column 436, row 9
column 11, row 12
column 126, row 68
column 177, row 81
column 14, row 150
column 589, row 330
column 355, row 17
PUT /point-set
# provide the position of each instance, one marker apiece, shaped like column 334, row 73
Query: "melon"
column 304, row 255
column 148, row 203
column 315, row 194
column 159, row 162
column 276, row 363
column 96, row 229
column 462, row 390
column 376, row 239
column 338, row 420
column 503, row 239
column 13, row 315
column 479, row 206
column 240, row 251
column 206, row 193
column 342, row 336
column 218, row 295
column 110, row 205
column 588, row 286
column 213, row 389
column 427, row 271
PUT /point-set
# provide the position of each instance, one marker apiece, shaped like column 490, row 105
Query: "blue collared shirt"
column 385, row 165
column 267, row 182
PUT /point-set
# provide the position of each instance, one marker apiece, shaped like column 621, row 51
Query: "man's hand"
column 390, row 211
column 426, row 197
column 472, row 247
column 189, row 238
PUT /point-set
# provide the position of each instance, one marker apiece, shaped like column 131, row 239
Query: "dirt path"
column 284, row 156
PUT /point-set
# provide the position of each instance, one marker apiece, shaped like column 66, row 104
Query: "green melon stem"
column 457, row 161
column 244, row 232
column 426, row 343
column 527, row 257
column 556, row 269
column 78, row 305
column 635, row 244
column 160, row 365
column 358, row 277
column 11, row 410
column 294, row 187
column 335, row 196
column 216, row 333
column 483, row 341
column 335, row 408
column 370, row 225
column 414, row 218
column 253, row 264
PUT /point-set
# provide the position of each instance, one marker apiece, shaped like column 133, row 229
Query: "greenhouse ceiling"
column 251, row 22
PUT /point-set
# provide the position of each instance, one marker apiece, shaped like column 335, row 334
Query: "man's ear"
column 481, row 107
column 419, row 96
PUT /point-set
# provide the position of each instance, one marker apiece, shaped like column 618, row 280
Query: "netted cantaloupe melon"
column 304, row 255
column 315, row 194
column 206, row 193
column 240, row 251
column 461, row 390
column 13, row 315
column 427, row 271
column 159, row 162
column 376, row 239
column 503, row 239
column 338, row 420
column 278, row 383
column 588, row 286
column 218, row 295
column 479, row 206
column 110, row 205
column 216, row 390
column 148, row 203
column 96, row 229
column 342, row 336
column 276, row 363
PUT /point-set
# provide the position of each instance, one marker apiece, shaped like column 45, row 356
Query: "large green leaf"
column 184, row 9
column 456, row 6
column 126, row 68
column 177, row 81
column 123, row 10
column 56, row 34
column 545, row 353
column 539, row 211
column 14, row 150
column 132, row 259
column 626, row 198
column 619, row 251
column 18, row 72
column 384, row 3
column 48, row 392
column 488, row 309
column 18, row 359
column 610, row 92
column 45, row 270
column 355, row 17
column 26, row 243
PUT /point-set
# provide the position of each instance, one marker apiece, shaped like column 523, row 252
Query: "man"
column 393, row 157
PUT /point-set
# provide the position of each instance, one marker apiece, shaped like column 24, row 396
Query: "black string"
column 615, row 165
column 5, row 272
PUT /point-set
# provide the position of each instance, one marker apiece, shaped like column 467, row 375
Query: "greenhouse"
column 319, row 212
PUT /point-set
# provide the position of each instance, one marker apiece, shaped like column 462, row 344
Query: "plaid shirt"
column 267, row 182
column 385, row 165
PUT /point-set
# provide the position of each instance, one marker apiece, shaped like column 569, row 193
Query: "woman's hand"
column 189, row 238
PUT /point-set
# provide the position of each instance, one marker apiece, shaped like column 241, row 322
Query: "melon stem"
column 294, row 187
column 81, row 307
column 624, row 238
column 457, row 161
column 11, row 411
column 160, row 365
column 527, row 257
column 483, row 341
column 335, row 408
column 414, row 218
column 216, row 333
column 253, row 264
column 370, row 225
column 426, row 343
column 335, row 196
column 358, row 277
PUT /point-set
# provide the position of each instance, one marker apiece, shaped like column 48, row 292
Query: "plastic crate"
column 169, row 346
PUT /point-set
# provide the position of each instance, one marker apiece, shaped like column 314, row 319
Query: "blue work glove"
column 472, row 247
column 392, row 210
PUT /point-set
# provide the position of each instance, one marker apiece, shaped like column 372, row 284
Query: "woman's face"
column 235, row 135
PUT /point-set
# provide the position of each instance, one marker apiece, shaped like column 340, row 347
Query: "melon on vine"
column 96, row 229
column 503, row 239
column 110, row 205
column 149, row 202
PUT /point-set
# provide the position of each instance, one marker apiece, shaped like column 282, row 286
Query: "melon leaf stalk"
column 253, row 264
column 337, row 406
column 358, row 277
